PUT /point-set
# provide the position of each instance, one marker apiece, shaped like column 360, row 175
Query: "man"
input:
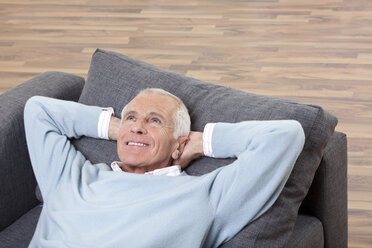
column 145, row 200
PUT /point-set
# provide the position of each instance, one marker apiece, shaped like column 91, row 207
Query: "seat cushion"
column 19, row 234
column 114, row 79
column 307, row 233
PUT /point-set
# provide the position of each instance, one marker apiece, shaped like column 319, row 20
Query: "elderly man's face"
column 146, row 140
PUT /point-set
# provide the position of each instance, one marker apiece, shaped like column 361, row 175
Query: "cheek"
column 165, row 141
column 161, row 135
column 121, row 137
column 122, row 132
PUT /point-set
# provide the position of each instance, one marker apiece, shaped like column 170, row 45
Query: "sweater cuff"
column 104, row 122
column 207, row 139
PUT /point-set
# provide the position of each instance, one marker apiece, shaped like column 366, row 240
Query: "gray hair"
column 181, row 117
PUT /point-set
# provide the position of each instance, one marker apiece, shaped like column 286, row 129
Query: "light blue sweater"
column 89, row 205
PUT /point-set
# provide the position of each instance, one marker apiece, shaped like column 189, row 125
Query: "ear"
column 181, row 141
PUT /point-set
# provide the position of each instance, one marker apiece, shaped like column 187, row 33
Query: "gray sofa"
column 311, row 211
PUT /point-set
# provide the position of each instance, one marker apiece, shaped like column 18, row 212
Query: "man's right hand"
column 192, row 150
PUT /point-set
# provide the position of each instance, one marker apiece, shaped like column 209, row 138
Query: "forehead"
column 153, row 102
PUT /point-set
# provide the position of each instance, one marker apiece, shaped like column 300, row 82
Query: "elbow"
column 295, row 133
column 31, row 107
column 32, row 101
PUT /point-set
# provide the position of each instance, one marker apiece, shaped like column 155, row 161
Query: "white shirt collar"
column 173, row 170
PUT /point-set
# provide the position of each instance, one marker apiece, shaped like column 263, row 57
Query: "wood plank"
column 318, row 52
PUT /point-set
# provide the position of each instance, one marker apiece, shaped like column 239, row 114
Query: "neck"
column 141, row 170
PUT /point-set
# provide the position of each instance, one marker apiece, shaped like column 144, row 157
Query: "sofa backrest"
column 114, row 79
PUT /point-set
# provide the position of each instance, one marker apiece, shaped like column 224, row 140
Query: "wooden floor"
column 315, row 51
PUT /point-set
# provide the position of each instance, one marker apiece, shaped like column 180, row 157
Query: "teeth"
column 136, row 144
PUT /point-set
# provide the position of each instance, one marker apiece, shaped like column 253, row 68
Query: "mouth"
column 130, row 143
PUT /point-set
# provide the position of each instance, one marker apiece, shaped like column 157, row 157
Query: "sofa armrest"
column 327, row 197
column 17, row 181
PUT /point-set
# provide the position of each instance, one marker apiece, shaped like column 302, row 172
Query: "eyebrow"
column 132, row 112
column 157, row 114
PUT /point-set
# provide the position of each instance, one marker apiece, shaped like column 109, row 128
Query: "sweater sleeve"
column 266, row 152
column 49, row 123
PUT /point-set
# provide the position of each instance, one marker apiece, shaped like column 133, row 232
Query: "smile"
column 136, row 144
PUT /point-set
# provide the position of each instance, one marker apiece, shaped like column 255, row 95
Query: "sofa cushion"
column 308, row 233
column 114, row 79
column 19, row 234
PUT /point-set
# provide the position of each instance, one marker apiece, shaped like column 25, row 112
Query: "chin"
column 132, row 162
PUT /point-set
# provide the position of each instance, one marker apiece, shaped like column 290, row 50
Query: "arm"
column 266, row 152
column 48, row 125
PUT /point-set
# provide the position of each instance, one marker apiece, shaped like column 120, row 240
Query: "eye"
column 155, row 120
column 130, row 118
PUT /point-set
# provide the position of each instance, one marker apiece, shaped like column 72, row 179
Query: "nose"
column 138, row 128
